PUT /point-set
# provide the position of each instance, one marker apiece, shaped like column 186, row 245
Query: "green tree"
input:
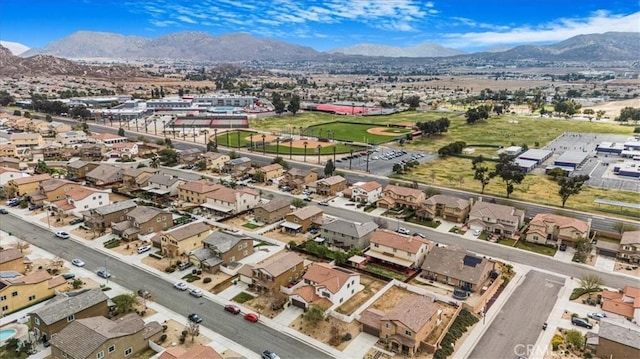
column 570, row 186
column 168, row 157
column 17, row 113
column 5, row 98
column 124, row 302
column 298, row 202
column 277, row 102
column 258, row 176
column 233, row 155
column 474, row 115
column 555, row 173
column 121, row 132
column 629, row 114
column 279, row 160
column 510, row 172
column 329, row 168
column 294, row 104
column 590, row 282
column 412, row 101
column 168, row 143
column 575, row 338
column 481, row 172
column 201, row 165
column 314, row 314
column 212, row 146
column 398, row 168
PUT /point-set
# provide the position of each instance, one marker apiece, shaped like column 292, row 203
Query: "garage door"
column 371, row 330
column 298, row 303
column 608, row 253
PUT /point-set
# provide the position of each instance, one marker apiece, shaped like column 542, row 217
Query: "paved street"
column 254, row 336
column 519, row 323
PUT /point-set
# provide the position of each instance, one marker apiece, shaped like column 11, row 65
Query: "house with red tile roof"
column 496, row 218
column 231, row 201
column 80, row 199
column 197, row 351
column 624, row 303
column 549, row 228
column 195, row 191
column 401, row 197
column 366, row 192
column 399, row 250
column 325, row 285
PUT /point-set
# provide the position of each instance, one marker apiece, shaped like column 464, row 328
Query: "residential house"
column 105, row 175
column 9, row 150
column 215, row 161
column 92, row 151
column 196, row 351
column 189, row 156
column 183, row 239
column 80, row 199
column 26, row 139
column 237, row 166
column 404, row 327
column 347, row 234
column 623, row 303
column 274, row 272
column 617, row 339
column 55, row 127
column 196, row 191
column 52, row 150
column 449, row 208
column 98, row 337
column 629, row 249
column 364, row 192
column 298, row 178
column 100, row 218
column 25, row 185
column 12, row 260
column 401, row 197
column 231, row 201
column 221, row 248
column 71, row 137
column 77, row 170
column 273, row 211
column 496, row 218
column 142, row 220
column 325, row 285
column 134, row 178
column 52, row 190
column 23, row 291
column 36, row 125
column 66, row 307
column 457, row 267
column 108, row 138
column 331, row 185
column 549, row 228
column 7, row 174
column 271, row 171
column 303, row 219
column 163, row 185
column 122, row 149
column 405, row 252
column 10, row 162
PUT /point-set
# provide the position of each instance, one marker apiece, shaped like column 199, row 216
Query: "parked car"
column 195, row 318
column 563, row 247
column 308, row 199
column 268, row 354
column 403, row 230
column 144, row 248
column 180, row 286
column 14, row 202
column 581, row 322
column 33, row 207
column 232, row 309
column 185, row 265
column 196, row 292
column 3, row 211
column 68, row 276
column 62, row 234
column 144, row 293
column 596, row 315
column 103, row 273
column 77, row 221
column 77, row 262
column 323, row 203
column 476, row 232
column 418, row 234
column 252, row 317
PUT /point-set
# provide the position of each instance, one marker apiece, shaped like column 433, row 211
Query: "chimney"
column 461, row 264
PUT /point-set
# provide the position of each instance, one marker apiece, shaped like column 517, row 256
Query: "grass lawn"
column 527, row 246
column 233, row 138
column 343, row 131
column 327, row 150
column 427, row 223
column 250, row 225
column 385, row 272
column 242, row 297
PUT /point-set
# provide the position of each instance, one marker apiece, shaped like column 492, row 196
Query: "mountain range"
column 240, row 47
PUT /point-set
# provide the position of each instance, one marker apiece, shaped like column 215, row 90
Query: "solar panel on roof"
column 471, row 261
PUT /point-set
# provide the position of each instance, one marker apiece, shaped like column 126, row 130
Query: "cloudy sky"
column 467, row 25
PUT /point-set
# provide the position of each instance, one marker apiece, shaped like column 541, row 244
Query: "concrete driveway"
column 565, row 256
column 605, row 264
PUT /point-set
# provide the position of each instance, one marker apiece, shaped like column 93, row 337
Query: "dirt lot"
column 390, row 298
column 173, row 332
column 239, row 221
column 322, row 330
column 371, row 287
column 283, row 237
column 88, row 234
column 161, row 264
column 627, row 269
column 262, row 304
column 128, row 248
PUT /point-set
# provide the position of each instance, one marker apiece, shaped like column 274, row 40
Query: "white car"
column 403, row 230
column 596, row 315
column 144, row 248
column 180, row 286
column 196, row 292
column 62, row 234
column 77, row 262
column 476, row 232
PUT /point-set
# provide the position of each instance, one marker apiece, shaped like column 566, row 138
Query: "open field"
column 345, row 131
column 242, row 138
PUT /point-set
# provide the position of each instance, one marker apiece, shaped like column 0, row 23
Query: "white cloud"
column 162, row 23
column 186, row 19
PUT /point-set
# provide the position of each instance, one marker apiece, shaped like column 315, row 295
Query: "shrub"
column 184, row 333
column 164, row 327
column 346, row 337
column 206, row 280
column 163, row 337
column 556, row 341
column 170, row 269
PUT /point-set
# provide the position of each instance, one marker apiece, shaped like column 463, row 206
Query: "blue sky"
column 468, row 25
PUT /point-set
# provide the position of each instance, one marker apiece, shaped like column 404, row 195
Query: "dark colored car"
column 76, row 221
column 68, row 276
column 195, row 318
column 232, row 309
column 563, row 247
column 33, row 207
column 581, row 322
column 268, row 354
column 3, row 211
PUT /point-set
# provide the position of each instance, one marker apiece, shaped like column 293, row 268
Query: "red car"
column 232, row 309
column 252, row 317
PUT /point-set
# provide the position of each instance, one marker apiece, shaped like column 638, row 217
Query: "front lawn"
column 250, row 225
column 373, row 268
column 242, row 297
column 528, row 246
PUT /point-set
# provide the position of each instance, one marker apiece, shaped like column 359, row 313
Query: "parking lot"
column 381, row 160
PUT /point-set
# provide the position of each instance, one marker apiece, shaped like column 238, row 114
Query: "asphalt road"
column 598, row 223
column 254, row 336
column 517, row 327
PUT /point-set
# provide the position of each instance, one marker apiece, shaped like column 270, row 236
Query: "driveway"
column 605, row 264
column 565, row 256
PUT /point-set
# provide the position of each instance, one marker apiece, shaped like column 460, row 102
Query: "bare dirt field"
column 161, row 264
column 174, row 332
column 390, row 298
column 262, row 304
column 116, row 197
column 127, row 249
column 628, row 269
column 240, row 221
column 284, row 237
column 87, row 233
column 323, row 330
column 612, row 109
column 371, row 287
column 385, row 131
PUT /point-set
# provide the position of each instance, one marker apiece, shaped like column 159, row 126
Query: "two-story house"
column 9, row 150
column 26, row 139
column 163, row 185
column 401, row 197
column 221, row 248
column 272, row 211
column 404, row 252
column 629, row 249
column 52, row 190
column 331, row 185
column 23, row 186
column 617, row 339
column 12, row 260
column 7, row 174
column 183, row 239
column 548, row 228
column 108, row 138
column 10, row 162
column 303, row 219
column 237, row 166
column 449, row 208
column 457, row 267
column 325, row 285
column 105, row 175
column 347, row 234
column 141, row 221
column 77, row 170
column 274, row 272
column 99, row 337
column 231, row 201
column 623, row 303
column 196, row 191
column 271, row 171
column 91, row 151
column 80, row 199
column 297, row 178
column 214, row 160
column 26, row 290
column 64, row 308
column 100, row 218
column 405, row 326
column 135, row 178
column 55, row 127
column 122, row 149
column 364, row 192
column 71, row 137
column 496, row 218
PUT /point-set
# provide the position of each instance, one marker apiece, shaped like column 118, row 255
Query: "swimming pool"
column 7, row 334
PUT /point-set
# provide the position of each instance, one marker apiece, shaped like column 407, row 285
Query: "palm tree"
column 319, row 150
column 155, row 162
column 278, row 147
column 305, row 150
column 251, row 142
column 290, row 148
column 264, row 148
column 206, row 134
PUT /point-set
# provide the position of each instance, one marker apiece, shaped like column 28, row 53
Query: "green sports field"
column 355, row 132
